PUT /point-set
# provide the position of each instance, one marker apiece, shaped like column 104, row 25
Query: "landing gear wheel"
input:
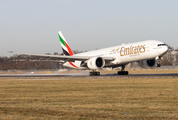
column 94, row 73
column 122, row 73
column 158, row 65
column 126, row 72
column 98, row 73
column 91, row 73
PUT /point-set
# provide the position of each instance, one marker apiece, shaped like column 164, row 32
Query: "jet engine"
column 95, row 63
column 147, row 63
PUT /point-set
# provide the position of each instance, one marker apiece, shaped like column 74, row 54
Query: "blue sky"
column 32, row 26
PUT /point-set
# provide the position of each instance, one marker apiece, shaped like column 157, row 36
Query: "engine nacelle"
column 95, row 63
column 147, row 63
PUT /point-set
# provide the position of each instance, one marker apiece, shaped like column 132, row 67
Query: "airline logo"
column 132, row 50
column 65, row 47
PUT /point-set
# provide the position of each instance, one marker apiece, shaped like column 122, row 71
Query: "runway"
column 86, row 76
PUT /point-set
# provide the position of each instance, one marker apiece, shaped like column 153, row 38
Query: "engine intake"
column 147, row 63
column 95, row 63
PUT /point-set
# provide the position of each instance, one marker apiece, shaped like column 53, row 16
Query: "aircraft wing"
column 62, row 57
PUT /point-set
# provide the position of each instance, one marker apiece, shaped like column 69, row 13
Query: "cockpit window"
column 161, row 44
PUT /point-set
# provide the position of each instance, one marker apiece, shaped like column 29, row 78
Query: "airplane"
column 147, row 53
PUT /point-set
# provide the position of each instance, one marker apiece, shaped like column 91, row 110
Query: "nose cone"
column 164, row 49
column 167, row 48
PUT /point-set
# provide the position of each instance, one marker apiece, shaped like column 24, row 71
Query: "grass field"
column 88, row 98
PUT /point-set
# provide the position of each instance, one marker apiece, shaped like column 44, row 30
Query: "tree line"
column 21, row 62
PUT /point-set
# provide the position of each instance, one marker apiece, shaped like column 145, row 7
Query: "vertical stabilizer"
column 65, row 46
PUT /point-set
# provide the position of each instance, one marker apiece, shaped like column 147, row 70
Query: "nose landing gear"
column 158, row 61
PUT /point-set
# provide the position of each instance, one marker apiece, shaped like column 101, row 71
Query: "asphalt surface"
column 102, row 75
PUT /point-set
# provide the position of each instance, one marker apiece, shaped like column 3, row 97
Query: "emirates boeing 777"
column 148, row 53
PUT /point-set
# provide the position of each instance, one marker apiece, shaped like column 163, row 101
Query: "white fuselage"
column 124, row 54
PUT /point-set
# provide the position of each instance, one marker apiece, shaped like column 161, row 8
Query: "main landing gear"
column 123, row 72
column 94, row 73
